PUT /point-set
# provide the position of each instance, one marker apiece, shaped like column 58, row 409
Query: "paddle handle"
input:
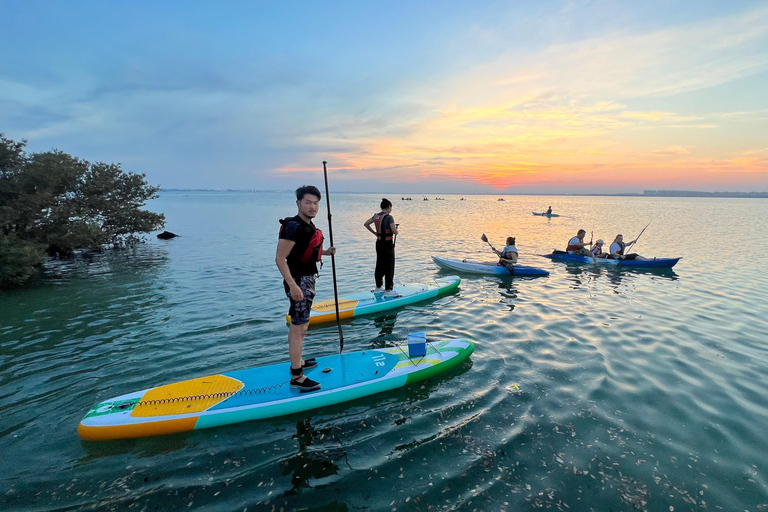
column 333, row 259
column 638, row 236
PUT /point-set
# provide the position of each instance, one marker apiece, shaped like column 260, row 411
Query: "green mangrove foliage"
column 54, row 203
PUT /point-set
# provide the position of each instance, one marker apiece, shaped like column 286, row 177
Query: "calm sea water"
column 590, row 389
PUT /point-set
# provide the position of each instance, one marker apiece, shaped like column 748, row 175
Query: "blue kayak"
column 544, row 214
column 476, row 267
column 572, row 258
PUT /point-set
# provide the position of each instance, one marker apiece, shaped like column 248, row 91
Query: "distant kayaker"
column 508, row 257
column 617, row 250
column 549, row 211
column 299, row 248
column 577, row 245
column 385, row 233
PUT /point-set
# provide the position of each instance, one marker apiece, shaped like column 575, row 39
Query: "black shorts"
column 299, row 311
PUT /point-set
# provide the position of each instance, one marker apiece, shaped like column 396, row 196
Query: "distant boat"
column 501, row 199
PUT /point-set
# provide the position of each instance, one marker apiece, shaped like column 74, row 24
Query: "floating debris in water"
column 515, row 389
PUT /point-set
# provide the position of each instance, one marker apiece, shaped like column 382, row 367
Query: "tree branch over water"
column 54, row 203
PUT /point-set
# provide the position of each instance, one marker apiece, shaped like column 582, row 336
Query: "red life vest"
column 309, row 243
column 314, row 251
column 377, row 220
column 572, row 248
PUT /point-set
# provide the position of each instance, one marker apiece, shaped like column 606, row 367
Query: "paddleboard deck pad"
column 265, row 392
column 368, row 302
column 476, row 267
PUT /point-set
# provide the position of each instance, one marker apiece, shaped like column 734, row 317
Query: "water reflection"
column 107, row 262
column 309, row 464
column 581, row 276
column 387, row 336
column 509, row 293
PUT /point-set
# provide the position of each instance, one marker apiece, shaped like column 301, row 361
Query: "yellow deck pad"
column 330, row 305
column 185, row 397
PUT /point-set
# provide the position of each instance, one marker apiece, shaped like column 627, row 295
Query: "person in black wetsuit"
column 299, row 248
column 385, row 232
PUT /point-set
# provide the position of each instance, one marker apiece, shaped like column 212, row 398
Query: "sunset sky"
column 404, row 97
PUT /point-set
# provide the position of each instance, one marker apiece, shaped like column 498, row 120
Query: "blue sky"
column 398, row 96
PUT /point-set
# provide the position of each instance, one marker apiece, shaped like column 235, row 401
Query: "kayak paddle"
column 485, row 239
column 626, row 250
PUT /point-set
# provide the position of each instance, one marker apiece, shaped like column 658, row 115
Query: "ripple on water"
column 591, row 388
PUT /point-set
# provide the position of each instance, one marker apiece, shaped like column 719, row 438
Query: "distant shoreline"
column 645, row 193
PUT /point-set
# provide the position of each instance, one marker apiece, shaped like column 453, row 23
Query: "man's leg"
column 296, row 344
column 300, row 312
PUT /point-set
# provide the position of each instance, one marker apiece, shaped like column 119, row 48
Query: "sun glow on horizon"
column 587, row 113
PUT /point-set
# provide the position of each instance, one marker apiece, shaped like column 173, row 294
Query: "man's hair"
column 582, row 231
column 385, row 203
column 510, row 240
column 307, row 189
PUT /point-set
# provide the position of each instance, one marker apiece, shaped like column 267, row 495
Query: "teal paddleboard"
column 265, row 392
column 366, row 303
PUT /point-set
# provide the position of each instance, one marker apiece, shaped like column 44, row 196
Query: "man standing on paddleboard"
column 299, row 248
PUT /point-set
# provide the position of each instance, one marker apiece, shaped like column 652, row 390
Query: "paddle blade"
column 484, row 238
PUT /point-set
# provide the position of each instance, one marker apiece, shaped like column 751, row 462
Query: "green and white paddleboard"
column 265, row 392
column 366, row 303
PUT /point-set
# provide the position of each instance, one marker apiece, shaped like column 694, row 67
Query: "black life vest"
column 377, row 220
column 308, row 248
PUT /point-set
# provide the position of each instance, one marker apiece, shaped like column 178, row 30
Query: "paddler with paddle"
column 577, row 246
column 507, row 257
column 299, row 248
column 618, row 247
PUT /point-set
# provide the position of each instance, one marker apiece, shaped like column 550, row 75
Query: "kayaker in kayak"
column 617, row 250
column 549, row 210
column 577, row 246
column 508, row 257
column 385, row 231
column 597, row 250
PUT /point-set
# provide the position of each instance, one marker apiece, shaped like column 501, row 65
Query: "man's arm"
column 284, row 247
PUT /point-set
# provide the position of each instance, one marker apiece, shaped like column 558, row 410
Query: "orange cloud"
column 546, row 141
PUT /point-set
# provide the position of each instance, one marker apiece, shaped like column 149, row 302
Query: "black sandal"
column 304, row 386
column 308, row 364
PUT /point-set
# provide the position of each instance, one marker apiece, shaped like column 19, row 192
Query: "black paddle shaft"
column 333, row 259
